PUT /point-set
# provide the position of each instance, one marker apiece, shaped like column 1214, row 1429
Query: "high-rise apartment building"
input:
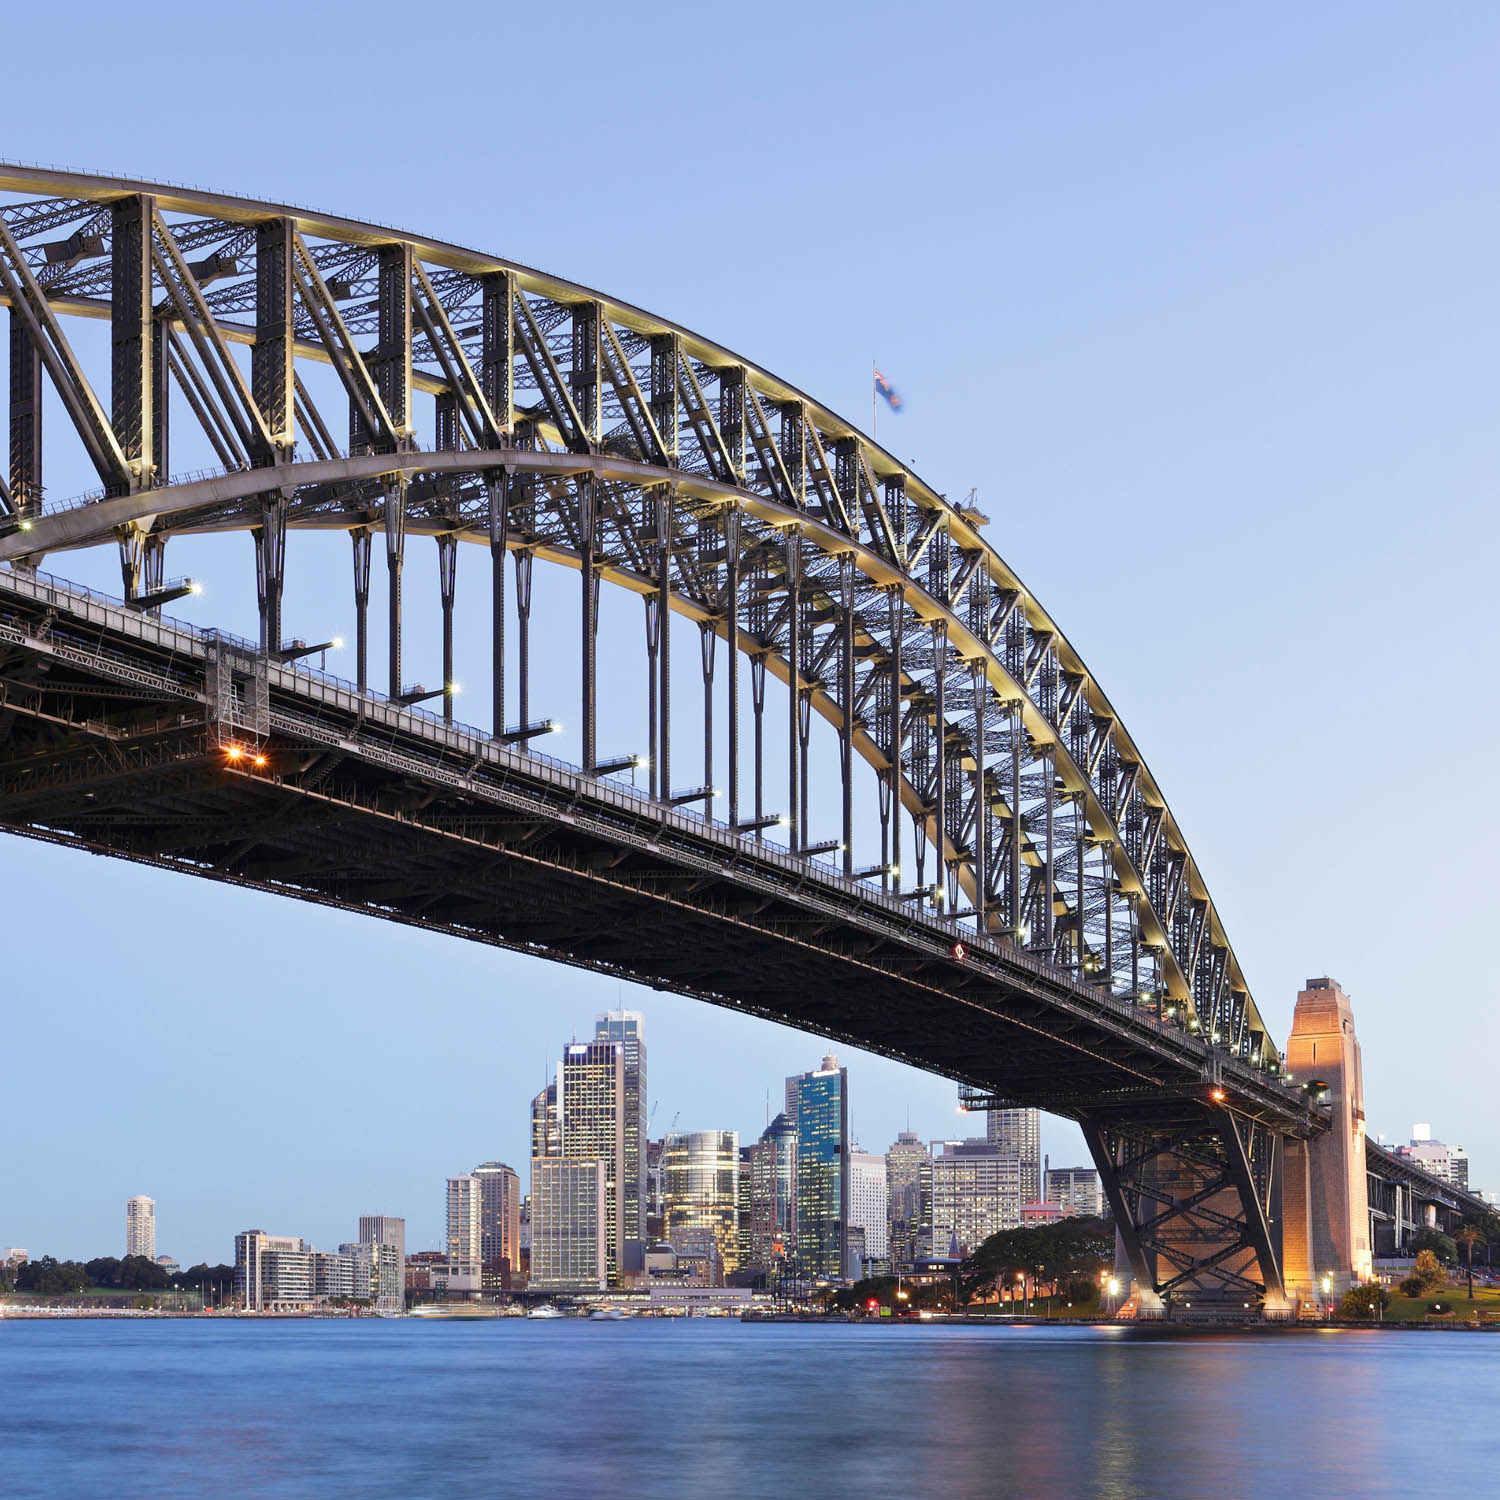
column 465, row 1211
column 372, row 1270
column 1077, row 1189
column 383, row 1229
column 140, row 1226
column 822, row 1204
column 869, row 1202
column 591, row 1126
column 701, row 1172
column 499, row 1217
column 976, row 1192
column 569, row 1219
column 1019, row 1130
column 904, row 1160
column 628, row 1028
column 768, row 1196
column 656, row 1192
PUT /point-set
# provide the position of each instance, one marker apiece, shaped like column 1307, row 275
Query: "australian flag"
column 883, row 387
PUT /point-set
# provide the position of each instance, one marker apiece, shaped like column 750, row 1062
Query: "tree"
column 1429, row 1271
column 104, row 1270
column 50, row 1277
column 1469, row 1236
column 1074, row 1249
column 1428, row 1238
column 1365, row 1302
column 139, row 1273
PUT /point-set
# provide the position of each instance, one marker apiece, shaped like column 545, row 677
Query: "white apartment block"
column 465, row 1218
column 140, row 1226
column 869, row 1202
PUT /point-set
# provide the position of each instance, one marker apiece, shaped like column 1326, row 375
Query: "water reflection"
column 707, row 1409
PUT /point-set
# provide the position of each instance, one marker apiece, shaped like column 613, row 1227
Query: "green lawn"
column 1454, row 1295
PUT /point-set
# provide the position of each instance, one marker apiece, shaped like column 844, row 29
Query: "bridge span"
column 1020, row 912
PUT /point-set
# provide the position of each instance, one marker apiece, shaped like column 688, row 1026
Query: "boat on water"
column 546, row 1310
column 606, row 1315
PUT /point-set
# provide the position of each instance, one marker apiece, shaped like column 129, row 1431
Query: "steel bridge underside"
column 128, row 736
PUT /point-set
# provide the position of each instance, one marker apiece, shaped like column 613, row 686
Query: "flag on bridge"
column 883, row 387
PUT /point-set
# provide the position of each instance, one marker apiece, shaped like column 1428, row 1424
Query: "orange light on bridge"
column 234, row 752
column 260, row 760
column 1217, row 1095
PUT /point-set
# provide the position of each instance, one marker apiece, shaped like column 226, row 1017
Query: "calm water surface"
column 705, row 1408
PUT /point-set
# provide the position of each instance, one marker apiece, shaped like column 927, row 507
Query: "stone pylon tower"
column 1325, row 1203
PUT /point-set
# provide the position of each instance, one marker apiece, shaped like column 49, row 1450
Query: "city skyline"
column 1001, row 1129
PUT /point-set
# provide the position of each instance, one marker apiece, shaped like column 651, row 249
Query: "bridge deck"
column 115, row 731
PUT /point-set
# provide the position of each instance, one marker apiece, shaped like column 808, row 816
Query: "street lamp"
column 1327, row 1292
column 1114, row 1291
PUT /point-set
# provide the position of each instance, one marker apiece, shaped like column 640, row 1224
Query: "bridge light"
column 960, row 951
column 234, row 752
column 25, row 525
column 194, row 587
column 894, row 872
column 641, row 762
column 783, row 821
column 260, row 760
column 1217, row 1095
column 454, row 689
column 337, row 643
column 556, row 729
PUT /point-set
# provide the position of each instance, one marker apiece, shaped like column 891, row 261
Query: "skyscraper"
column 768, row 1193
column 904, row 1161
column 546, row 1136
column 499, row 1216
column 628, row 1028
column 464, row 1212
column 701, row 1171
column 568, row 1222
column 976, row 1192
column 869, row 1202
column 382, row 1229
column 591, row 1126
column 1019, row 1130
column 140, row 1226
column 822, row 1206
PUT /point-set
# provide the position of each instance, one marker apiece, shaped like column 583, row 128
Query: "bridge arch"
column 573, row 428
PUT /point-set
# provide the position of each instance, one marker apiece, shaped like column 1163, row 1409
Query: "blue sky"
column 1201, row 299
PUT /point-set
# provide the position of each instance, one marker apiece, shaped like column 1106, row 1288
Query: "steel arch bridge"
column 1020, row 911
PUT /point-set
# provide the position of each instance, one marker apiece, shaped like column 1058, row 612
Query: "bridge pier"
column 1326, row 1228
column 1195, row 1200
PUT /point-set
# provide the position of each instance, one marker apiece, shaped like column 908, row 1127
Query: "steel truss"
column 575, row 429
column 1196, row 1204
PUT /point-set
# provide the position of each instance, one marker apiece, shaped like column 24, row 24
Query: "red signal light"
column 960, row 951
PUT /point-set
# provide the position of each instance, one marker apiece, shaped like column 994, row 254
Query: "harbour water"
column 708, row 1408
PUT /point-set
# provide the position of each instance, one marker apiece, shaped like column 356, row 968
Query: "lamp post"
column 1114, row 1291
column 1327, row 1292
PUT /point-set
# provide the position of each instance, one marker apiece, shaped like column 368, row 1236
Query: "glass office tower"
column 822, row 1205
